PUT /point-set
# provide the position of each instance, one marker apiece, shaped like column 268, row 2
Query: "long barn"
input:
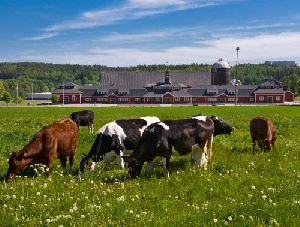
column 170, row 88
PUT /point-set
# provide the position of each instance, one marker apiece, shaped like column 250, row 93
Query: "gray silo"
column 220, row 73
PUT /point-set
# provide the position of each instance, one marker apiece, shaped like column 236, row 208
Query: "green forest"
column 42, row 77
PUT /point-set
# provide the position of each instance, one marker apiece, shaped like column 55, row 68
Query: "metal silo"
column 220, row 73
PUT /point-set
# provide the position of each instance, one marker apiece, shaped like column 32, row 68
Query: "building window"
column 73, row 97
column 261, row 98
column 251, row 99
column 157, row 99
column 231, row 99
column 212, row 99
column 88, row 99
column 137, row 99
column 186, row 99
column 102, row 99
column 123, row 99
column 278, row 98
column 177, row 99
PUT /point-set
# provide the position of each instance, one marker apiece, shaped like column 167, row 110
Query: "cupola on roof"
column 221, row 64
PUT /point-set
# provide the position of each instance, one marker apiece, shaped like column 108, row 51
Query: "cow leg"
column 63, row 161
column 120, row 160
column 149, row 168
column 150, row 165
column 91, row 128
column 71, row 159
column 200, row 156
column 193, row 156
column 253, row 144
column 210, row 144
column 260, row 144
column 166, row 165
column 204, row 158
column 49, row 165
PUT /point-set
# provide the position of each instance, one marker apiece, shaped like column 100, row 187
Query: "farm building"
column 268, row 91
column 173, row 88
column 39, row 96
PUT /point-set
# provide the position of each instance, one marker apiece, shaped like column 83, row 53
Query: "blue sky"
column 133, row 32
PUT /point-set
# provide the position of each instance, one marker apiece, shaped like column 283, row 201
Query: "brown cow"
column 264, row 132
column 57, row 140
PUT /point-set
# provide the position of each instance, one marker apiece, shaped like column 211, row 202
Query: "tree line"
column 42, row 77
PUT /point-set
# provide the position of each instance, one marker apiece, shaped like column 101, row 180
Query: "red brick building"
column 197, row 91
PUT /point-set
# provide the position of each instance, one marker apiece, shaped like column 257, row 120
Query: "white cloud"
column 257, row 49
column 43, row 36
column 132, row 9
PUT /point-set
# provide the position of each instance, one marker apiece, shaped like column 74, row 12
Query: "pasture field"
column 239, row 188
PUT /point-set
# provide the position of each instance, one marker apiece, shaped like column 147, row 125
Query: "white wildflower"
column 121, row 198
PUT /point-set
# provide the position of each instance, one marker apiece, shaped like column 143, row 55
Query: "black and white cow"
column 113, row 139
column 162, row 139
column 84, row 118
column 221, row 127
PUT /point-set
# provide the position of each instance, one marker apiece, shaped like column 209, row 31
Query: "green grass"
column 239, row 187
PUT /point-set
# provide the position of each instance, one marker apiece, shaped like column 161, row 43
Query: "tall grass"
column 239, row 188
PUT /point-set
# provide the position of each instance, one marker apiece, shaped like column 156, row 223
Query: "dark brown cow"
column 264, row 132
column 57, row 140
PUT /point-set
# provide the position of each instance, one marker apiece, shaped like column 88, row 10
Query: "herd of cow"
column 133, row 141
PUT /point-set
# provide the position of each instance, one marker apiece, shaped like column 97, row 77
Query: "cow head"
column 16, row 164
column 88, row 162
column 221, row 127
column 266, row 145
column 134, row 167
column 83, row 163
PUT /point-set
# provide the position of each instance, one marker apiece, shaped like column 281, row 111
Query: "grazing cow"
column 264, row 132
column 160, row 138
column 113, row 139
column 221, row 127
column 57, row 140
column 84, row 118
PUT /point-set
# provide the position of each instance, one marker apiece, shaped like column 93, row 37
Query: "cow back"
column 65, row 133
column 262, row 128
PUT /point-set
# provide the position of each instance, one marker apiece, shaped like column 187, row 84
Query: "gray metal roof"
column 152, row 94
column 152, row 78
column 69, row 91
column 180, row 93
column 279, row 90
